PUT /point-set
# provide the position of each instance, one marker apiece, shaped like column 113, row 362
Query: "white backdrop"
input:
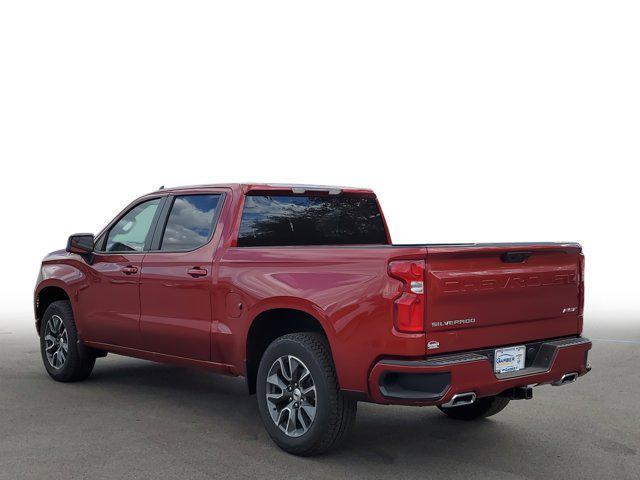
column 473, row 121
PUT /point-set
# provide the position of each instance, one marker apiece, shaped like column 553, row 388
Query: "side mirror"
column 81, row 243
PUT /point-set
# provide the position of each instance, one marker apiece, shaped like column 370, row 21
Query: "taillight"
column 581, row 285
column 409, row 306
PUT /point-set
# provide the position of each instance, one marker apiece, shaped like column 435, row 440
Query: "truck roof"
column 293, row 187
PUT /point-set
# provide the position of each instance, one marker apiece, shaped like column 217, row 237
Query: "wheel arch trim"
column 50, row 285
column 292, row 306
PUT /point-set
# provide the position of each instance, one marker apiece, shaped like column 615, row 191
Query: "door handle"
column 197, row 272
column 129, row 270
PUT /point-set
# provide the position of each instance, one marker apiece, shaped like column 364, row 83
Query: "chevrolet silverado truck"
column 299, row 289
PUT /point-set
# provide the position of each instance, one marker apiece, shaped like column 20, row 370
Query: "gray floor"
column 134, row 419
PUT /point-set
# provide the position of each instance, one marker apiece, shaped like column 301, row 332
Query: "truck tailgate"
column 481, row 296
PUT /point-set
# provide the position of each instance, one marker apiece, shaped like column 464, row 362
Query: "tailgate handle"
column 515, row 257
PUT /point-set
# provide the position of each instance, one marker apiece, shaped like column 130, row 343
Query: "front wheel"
column 481, row 408
column 59, row 345
column 299, row 401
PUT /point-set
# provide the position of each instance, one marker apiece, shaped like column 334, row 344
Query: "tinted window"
column 310, row 220
column 130, row 233
column 190, row 222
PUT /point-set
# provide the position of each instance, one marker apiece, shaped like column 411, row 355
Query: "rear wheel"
column 299, row 401
column 59, row 345
column 481, row 408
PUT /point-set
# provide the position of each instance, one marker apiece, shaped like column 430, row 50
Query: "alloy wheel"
column 56, row 342
column 291, row 395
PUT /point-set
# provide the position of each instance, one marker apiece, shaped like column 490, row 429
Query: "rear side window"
column 131, row 232
column 310, row 220
column 190, row 223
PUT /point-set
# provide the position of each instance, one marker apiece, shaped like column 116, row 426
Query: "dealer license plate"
column 509, row 359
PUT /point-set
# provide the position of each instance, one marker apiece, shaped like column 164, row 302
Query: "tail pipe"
column 566, row 378
column 460, row 399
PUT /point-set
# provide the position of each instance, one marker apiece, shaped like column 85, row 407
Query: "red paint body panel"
column 346, row 289
column 109, row 306
column 175, row 306
column 163, row 313
column 509, row 302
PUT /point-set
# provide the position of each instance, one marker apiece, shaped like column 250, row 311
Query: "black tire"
column 75, row 367
column 334, row 413
column 481, row 408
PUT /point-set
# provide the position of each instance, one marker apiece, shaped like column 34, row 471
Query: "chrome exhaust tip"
column 460, row 399
column 566, row 378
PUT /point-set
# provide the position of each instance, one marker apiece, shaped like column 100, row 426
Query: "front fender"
column 64, row 276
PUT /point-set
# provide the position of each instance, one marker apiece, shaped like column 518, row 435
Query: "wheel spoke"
column 276, row 381
column 283, row 371
column 50, row 342
column 309, row 390
column 294, row 364
column 304, row 376
column 310, row 411
column 281, row 414
column 303, row 420
column 291, row 422
column 275, row 397
column 61, row 356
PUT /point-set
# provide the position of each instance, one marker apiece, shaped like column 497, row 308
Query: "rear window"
column 270, row 220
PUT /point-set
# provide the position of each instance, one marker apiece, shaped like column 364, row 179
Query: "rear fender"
column 284, row 302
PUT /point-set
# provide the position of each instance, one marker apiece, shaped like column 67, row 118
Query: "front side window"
column 274, row 220
column 190, row 223
column 131, row 232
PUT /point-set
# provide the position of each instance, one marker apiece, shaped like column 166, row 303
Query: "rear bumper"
column 434, row 381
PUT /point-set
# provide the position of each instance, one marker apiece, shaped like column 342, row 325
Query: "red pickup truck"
column 299, row 289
